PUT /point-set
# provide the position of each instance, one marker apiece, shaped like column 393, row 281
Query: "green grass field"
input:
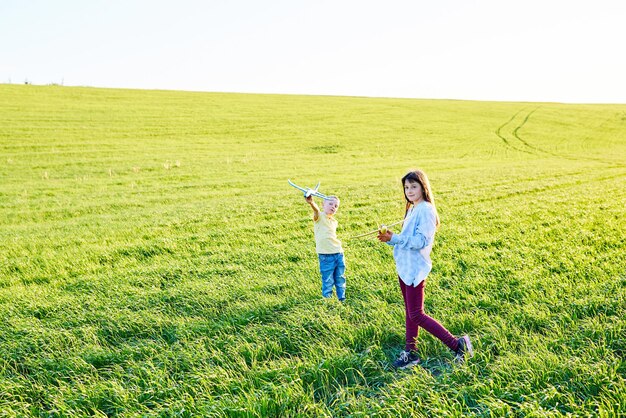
column 155, row 262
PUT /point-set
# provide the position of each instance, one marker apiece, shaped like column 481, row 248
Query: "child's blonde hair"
column 418, row 176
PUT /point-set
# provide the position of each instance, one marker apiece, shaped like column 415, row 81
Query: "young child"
column 328, row 247
column 411, row 252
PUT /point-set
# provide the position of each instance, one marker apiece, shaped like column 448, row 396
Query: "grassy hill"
column 154, row 260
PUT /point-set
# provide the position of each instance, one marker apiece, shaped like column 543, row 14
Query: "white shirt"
column 412, row 246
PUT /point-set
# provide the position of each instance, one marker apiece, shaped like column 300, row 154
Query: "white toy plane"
column 309, row 192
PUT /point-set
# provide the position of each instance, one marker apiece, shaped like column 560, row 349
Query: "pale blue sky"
column 527, row 50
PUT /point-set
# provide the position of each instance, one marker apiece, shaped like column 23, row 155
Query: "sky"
column 568, row 51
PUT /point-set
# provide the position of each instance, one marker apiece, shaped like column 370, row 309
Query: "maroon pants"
column 415, row 318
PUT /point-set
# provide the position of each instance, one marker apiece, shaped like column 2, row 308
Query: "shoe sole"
column 409, row 365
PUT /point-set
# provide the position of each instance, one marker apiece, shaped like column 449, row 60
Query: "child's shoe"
column 465, row 349
column 406, row 359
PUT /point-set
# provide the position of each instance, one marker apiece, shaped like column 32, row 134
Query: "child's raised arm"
column 316, row 209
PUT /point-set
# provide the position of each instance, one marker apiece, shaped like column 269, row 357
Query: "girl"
column 411, row 251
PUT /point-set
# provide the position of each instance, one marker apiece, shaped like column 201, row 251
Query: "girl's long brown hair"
column 418, row 176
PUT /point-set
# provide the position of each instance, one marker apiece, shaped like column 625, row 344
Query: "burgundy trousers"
column 416, row 318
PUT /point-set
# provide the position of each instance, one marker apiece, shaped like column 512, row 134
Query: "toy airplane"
column 309, row 192
column 383, row 229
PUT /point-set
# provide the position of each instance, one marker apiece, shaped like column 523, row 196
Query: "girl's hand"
column 309, row 199
column 384, row 237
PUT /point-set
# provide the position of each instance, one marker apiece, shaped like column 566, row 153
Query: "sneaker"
column 406, row 359
column 465, row 349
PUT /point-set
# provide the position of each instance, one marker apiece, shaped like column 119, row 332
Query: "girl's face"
column 413, row 191
column 330, row 206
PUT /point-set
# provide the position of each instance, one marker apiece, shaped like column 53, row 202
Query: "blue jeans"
column 332, row 268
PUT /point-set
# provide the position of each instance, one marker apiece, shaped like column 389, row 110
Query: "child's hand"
column 309, row 199
column 384, row 237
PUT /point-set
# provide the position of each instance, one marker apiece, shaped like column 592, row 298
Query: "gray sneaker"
column 406, row 359
column 465, row 349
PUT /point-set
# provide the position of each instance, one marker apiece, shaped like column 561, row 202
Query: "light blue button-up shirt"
column 412, row 246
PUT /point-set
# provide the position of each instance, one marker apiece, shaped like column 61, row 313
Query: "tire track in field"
column 517, row 181
column 533, row 149
column 498, row 132
column 529, row 148
column 541, row 189
column 527, row 144
column 516, row 130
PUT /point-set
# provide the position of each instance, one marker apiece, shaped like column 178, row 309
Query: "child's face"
column 330, row 206
column 413, row 191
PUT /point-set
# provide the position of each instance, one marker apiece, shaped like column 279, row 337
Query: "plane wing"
column 296, row 186
column 309, row 192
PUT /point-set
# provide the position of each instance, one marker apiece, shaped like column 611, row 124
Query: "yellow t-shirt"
column 325, row 229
